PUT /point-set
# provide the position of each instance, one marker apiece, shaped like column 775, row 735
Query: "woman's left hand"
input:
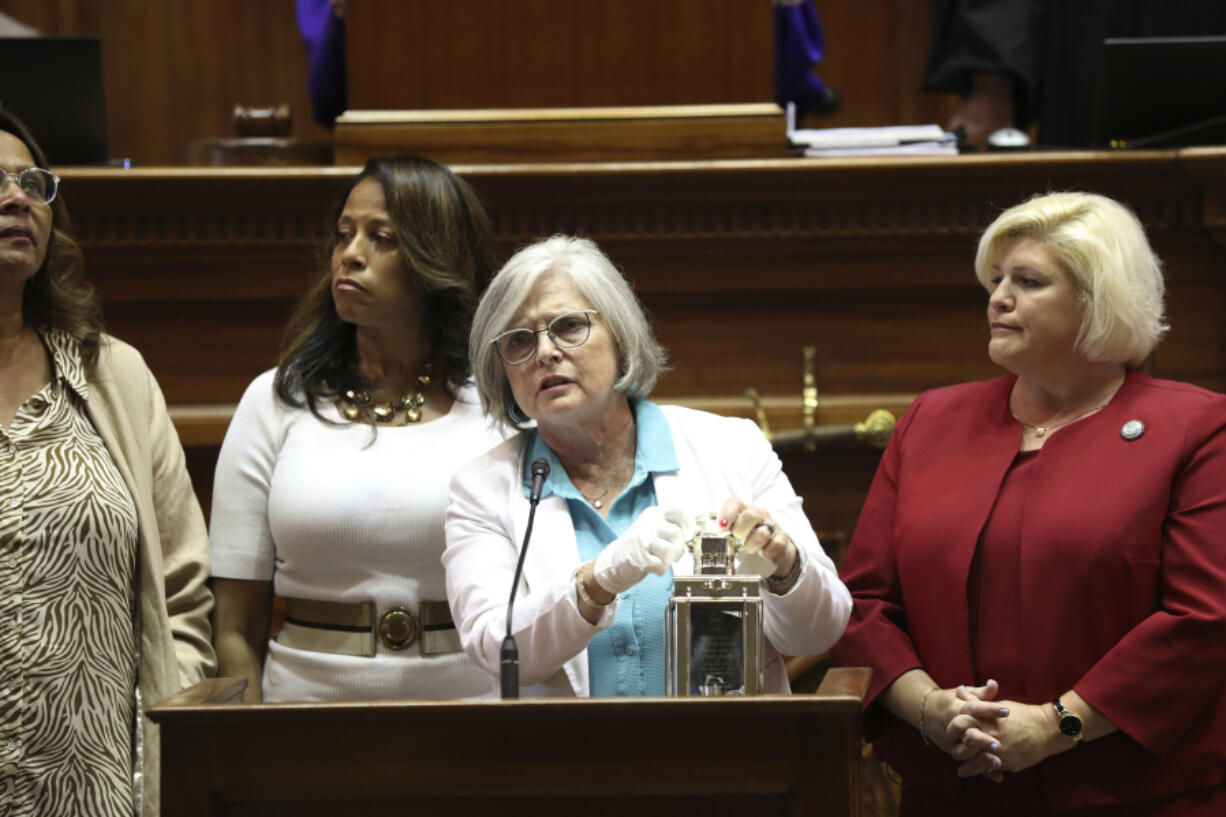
column 758, row 533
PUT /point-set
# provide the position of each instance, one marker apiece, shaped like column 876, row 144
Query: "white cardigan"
column 487, row 514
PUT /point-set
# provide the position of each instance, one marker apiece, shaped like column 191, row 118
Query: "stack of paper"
column 894, row 140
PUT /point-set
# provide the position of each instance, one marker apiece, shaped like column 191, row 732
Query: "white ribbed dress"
column 326, row 513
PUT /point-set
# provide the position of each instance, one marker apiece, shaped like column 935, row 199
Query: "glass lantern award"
column 713, row 629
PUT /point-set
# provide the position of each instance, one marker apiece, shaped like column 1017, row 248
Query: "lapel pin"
column 1132, row 430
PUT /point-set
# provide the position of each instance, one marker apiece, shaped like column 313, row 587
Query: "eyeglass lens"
column 568, row 330
column 36, row 183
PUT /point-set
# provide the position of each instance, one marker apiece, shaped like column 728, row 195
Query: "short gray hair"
column 641, row 359
column 1103, row 246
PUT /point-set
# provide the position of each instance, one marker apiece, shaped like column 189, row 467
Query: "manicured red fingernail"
column 723, row 523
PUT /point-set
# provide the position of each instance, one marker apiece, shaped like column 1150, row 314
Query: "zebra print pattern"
column 68, row 667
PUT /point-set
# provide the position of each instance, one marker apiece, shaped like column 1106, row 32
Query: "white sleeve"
column 239, row 535
column 812, row 615
column 480, row 560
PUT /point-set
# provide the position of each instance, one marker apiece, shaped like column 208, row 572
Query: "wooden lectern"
column 771, row 755
column 471, row 81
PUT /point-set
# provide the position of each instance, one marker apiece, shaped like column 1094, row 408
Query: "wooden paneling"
column 491, row 757
column 741, row 264
column 677, row 132
column 868, row 261
column 428, row 54
column 173, row 70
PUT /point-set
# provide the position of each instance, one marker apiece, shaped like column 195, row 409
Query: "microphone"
column 509, row 656
column 540, row 470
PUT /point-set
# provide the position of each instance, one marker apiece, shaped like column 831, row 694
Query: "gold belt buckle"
column 398, row 628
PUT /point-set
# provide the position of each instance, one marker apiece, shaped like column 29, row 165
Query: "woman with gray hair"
column 560, row 339
column 1039, row 570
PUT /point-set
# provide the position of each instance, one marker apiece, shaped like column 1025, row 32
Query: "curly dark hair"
column 444, row 239
column 57, row 296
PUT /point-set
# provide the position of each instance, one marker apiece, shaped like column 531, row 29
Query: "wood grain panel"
column 430, row 54
column 677, row 132
column 858, row 258
column 451, row 757
column 173, row 70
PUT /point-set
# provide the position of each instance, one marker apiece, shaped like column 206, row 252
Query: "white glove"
column 653, row 543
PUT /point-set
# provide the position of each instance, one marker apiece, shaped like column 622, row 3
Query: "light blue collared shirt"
column 628, row 658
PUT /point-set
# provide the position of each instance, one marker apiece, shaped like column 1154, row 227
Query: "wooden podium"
column 468, row 81
column 772, row 755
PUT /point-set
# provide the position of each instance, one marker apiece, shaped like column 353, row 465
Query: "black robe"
column 1050, row 49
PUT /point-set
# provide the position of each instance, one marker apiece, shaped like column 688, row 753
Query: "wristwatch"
column 1070, row 724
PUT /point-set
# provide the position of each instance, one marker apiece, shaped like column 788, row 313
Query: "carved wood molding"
column 159, row 208
column 825, row 205
column 1208, row 166
column 857, row 258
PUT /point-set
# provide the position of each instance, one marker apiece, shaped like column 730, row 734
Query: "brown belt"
column 349, row 628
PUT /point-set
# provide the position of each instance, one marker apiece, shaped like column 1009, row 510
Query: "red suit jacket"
column 1123, row 582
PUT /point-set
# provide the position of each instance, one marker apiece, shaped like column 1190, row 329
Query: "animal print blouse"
column 68, row 656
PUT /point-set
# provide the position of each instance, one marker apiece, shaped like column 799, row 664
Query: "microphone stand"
column 509, row 656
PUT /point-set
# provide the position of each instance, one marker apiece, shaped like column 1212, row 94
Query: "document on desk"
column 893, row 140
column 883, row 141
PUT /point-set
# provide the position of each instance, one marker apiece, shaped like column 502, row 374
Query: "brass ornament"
column 398, row 628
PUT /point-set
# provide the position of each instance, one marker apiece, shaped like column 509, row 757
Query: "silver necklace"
column 596, row 501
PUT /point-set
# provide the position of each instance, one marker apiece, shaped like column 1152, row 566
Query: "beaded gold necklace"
column 353, row 404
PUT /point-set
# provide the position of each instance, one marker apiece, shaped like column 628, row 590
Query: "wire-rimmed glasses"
column 568, row 330
column 39, row 185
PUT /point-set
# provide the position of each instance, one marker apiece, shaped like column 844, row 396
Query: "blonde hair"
column 1102, row 244
column 641, row 360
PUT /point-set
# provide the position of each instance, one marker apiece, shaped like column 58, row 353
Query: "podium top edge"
column 173, row 710
column 403, row 117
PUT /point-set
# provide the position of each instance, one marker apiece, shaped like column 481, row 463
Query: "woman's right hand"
column 954, row 720
column 654, row 541
column 964, row 737
column 242, row 613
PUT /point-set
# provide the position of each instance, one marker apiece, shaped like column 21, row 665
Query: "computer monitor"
column 54, row 85
column 1161, row 92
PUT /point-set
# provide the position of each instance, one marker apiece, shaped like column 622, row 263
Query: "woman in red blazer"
column 1039, row 571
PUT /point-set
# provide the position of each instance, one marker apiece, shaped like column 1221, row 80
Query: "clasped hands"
column 988, row 737
column 658, row 538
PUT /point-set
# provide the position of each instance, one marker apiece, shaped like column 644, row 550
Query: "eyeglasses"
column 566, row 331
column 39, row 185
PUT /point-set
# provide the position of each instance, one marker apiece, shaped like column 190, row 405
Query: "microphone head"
column 540, row 467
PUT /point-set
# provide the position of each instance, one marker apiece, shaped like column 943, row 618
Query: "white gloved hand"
column 653, row 543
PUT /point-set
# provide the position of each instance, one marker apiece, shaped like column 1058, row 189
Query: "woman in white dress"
column 332, row 481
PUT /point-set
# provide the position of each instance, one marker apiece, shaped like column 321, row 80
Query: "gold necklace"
column 353, row 404
column 1043, row 431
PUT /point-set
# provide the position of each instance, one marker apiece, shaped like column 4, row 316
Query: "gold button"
column 398, row 628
